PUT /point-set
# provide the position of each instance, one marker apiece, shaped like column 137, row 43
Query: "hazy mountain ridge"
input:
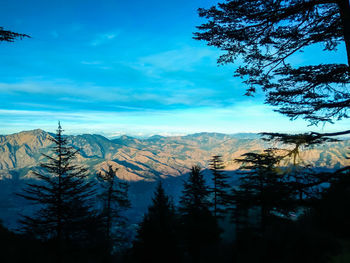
column 148, row 159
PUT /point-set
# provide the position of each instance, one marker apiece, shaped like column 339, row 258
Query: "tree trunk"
column 344, row 7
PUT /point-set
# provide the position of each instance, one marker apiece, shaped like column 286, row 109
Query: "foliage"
column 262, row 187
column 199, row 226
column 302, row 177
column 195, row 196
column 264, row 35
column 64, row 196
column 220, row 186
column 115, row 200
column 157, row 237
column 9, row 36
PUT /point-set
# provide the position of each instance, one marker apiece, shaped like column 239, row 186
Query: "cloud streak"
column 169, row 93
column 259, row 118
column 183, row 59
column 104, row 38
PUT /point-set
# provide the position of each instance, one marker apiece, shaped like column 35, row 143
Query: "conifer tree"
column 64, row 196
column 265, row 34
column 262, row 187
column 220, row 186
column 200, row 228
column 157, row 237
column 303, row 180
column 115, row 200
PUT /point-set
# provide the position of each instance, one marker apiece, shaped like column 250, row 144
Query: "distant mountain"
column 139, row 160
column 151, row 158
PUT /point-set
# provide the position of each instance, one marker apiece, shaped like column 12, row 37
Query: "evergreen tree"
column 302, row 178
column 63, row 193
column 115, row 201
column 265, row 34
column 220, row 186
column 200, row 229
column 157, row 237
column 262, row 187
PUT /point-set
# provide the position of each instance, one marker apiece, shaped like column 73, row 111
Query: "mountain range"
column 151, row 158
column 140, row 161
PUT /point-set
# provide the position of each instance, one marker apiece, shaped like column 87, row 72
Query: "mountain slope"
column 150, row 158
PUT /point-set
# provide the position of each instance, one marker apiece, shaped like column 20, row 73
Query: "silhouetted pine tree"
column 115, row 201
column 262, row 187
column 200, row 228
column 63, row 193
column 157, row 237
column 302, row 178
column 220, row 187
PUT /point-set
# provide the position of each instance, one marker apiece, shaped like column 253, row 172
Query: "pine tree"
column 157, row 237
column 220, row 187
column 200, row 228
column 302, row 178
column 115, row 201
column 64, row 195
column 262, row 187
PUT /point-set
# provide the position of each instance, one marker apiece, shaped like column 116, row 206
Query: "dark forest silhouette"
column 272, row 223
column 281, row 211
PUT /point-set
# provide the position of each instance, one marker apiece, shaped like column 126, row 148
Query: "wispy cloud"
column 104, row 38
column 172, row 93
column 259, row 118
column 97, row 65
column 183, row 59
column 84, row 62
column 39, row 105
column 66, row 88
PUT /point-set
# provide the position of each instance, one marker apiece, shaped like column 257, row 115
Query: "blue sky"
column 126, row 67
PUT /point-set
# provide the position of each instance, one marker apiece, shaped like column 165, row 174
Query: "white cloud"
column 181, row 92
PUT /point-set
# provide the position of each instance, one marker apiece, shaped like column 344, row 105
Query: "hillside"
column 152, row 158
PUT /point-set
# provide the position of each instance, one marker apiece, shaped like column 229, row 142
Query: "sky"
column 127, row 67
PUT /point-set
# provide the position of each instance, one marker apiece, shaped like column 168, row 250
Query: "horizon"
column 147, row 136
column 112, row 136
